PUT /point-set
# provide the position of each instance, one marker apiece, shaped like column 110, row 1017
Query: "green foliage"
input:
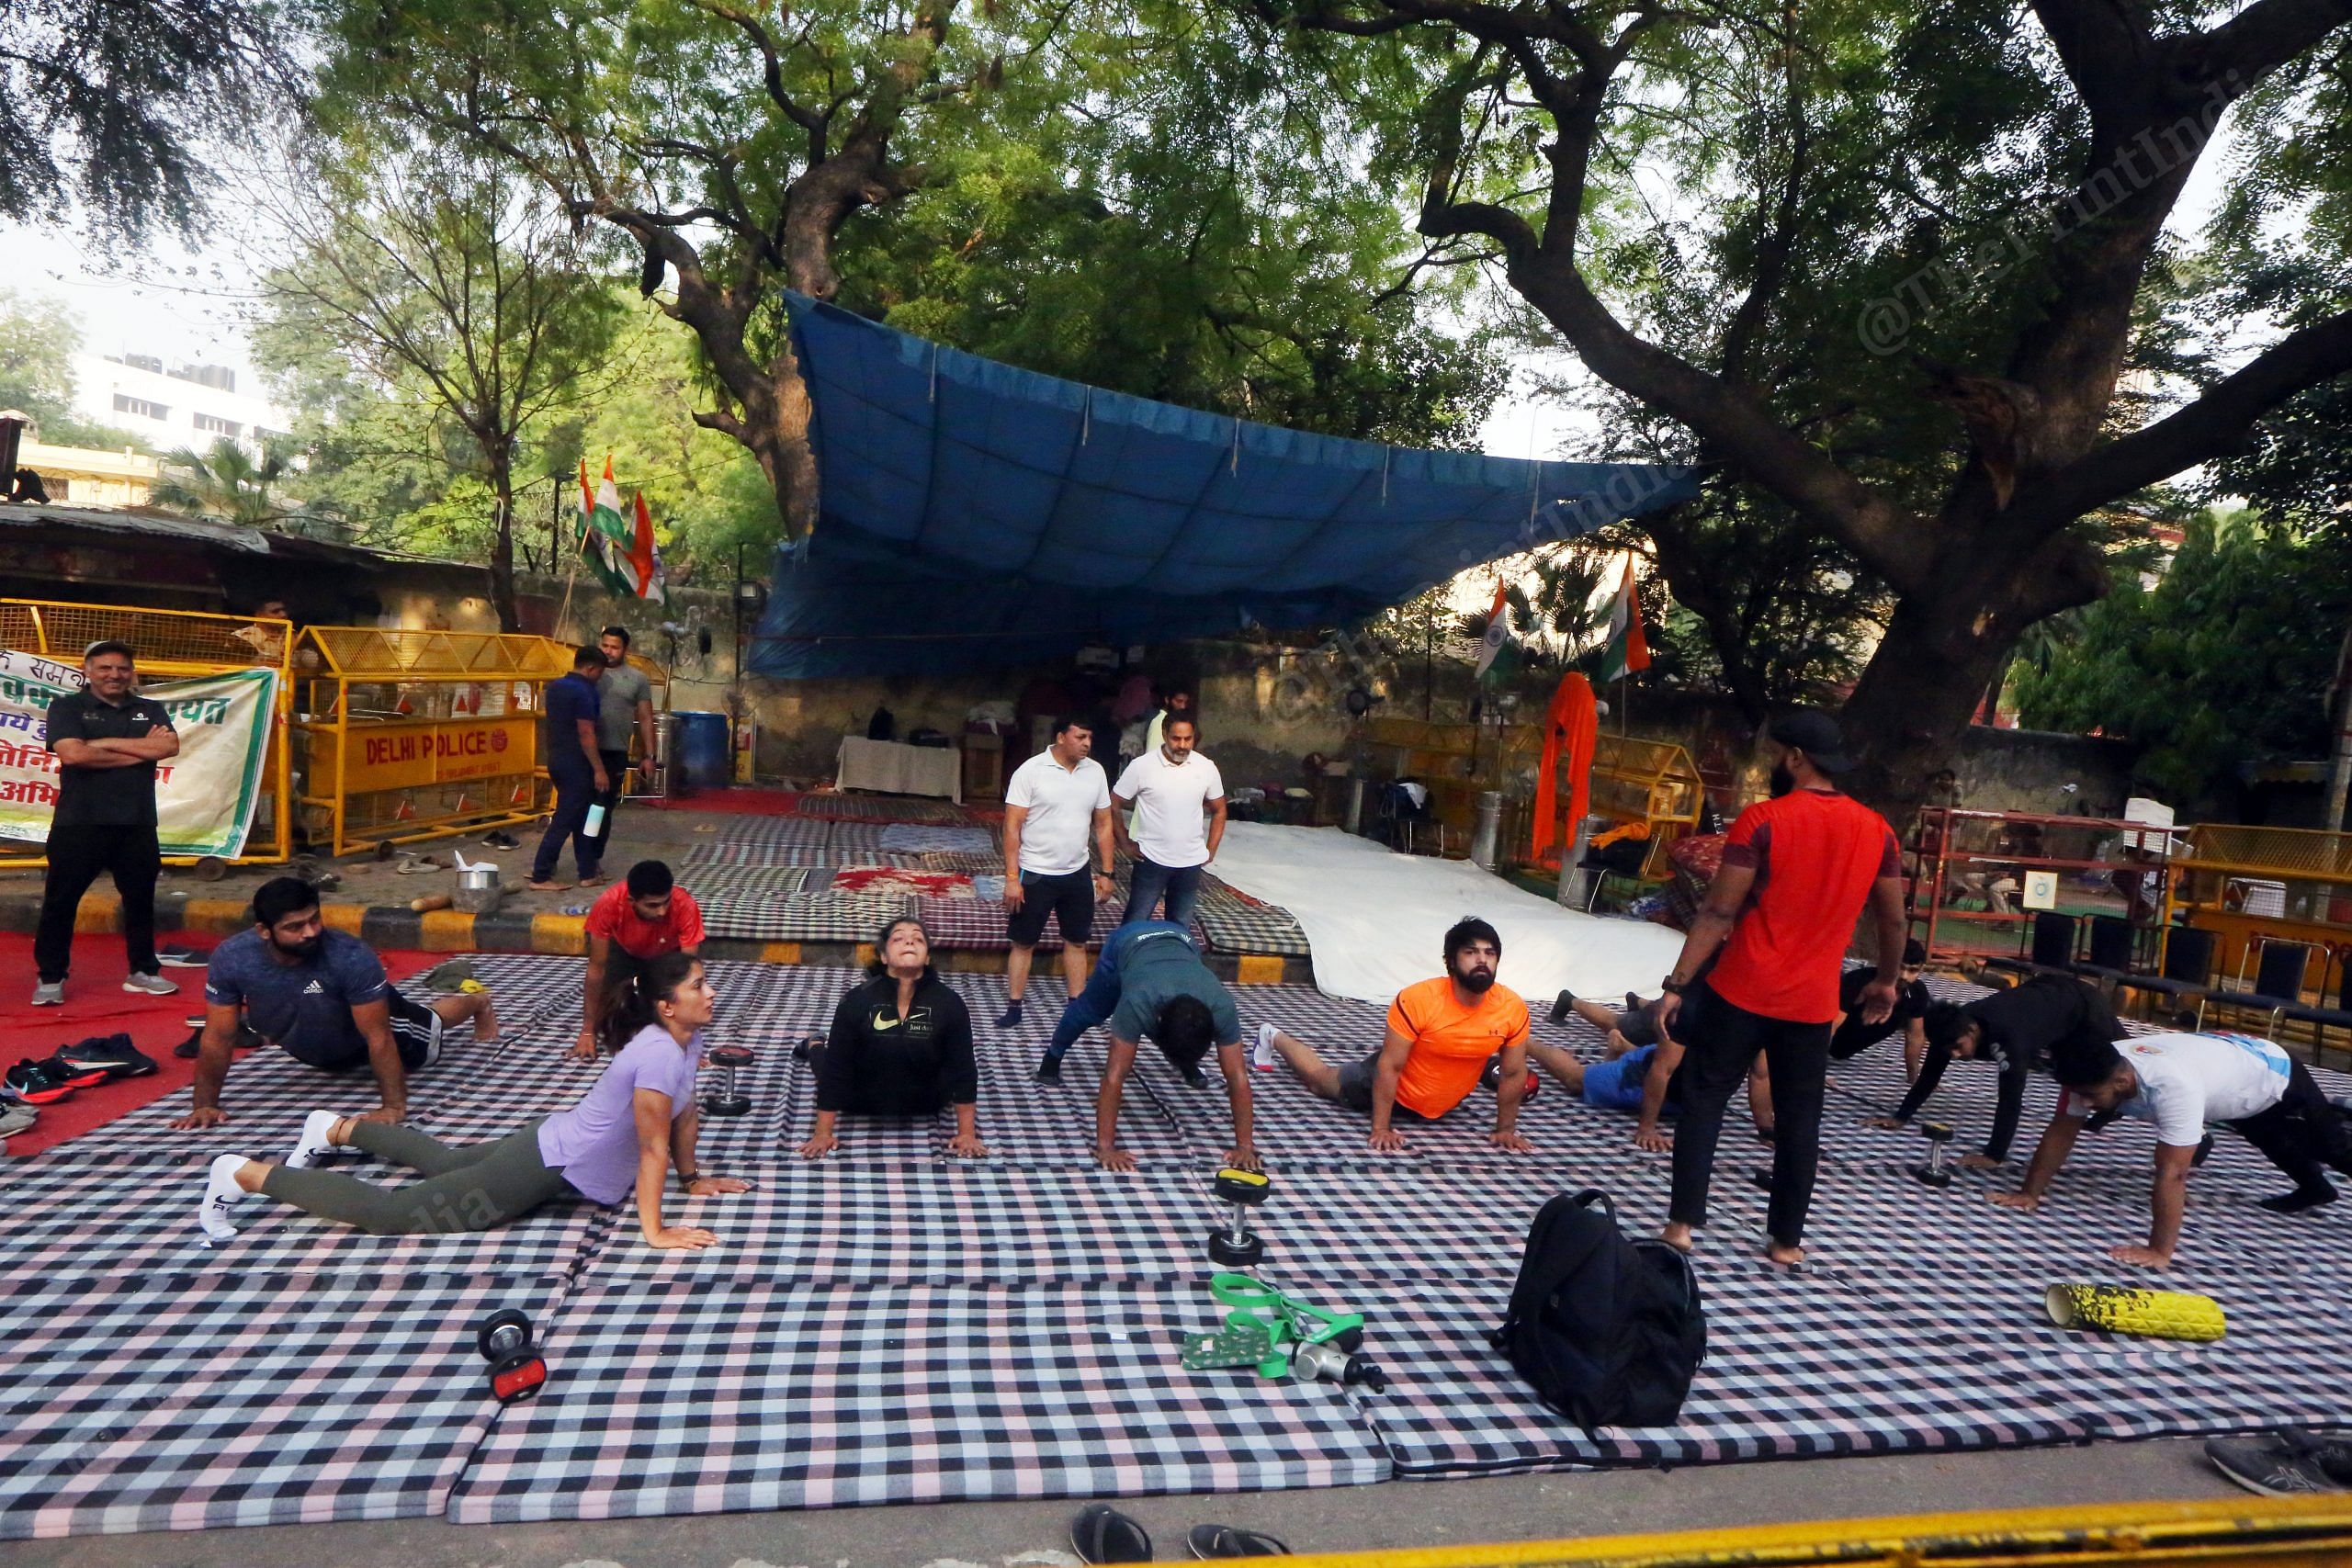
column 227, row 483
column 107, row 105
column 2226, row 661
column 39, row 335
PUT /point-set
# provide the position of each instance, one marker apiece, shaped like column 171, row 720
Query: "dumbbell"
column 1236, row 1246
column 517, row 1368
column 1934, row 1173
column 727, row 1100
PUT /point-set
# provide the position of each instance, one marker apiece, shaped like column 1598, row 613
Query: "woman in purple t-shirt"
column 629, row 1130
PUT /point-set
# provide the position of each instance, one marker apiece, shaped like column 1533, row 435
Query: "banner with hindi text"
column 205, row 798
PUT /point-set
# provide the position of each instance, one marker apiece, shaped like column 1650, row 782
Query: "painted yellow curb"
column 559, row 934
column 1259, row 969
column 447, row 930
column 780, row 953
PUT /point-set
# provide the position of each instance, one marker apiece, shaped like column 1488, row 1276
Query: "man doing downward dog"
column 1441, row 1034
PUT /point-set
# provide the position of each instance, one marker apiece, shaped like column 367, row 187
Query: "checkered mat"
column 764, row 1394
column 881, row 808
column 893, row 1324
column 188, row 1401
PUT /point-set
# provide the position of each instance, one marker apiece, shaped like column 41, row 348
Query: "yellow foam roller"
column 2156, row 1314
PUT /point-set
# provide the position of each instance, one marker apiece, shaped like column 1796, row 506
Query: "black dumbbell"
column 517, row 1368
column 727, row 1100
column 1934, row 1173
column 1236, row 1246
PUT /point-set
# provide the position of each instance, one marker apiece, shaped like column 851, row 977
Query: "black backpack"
column 1608, row 1331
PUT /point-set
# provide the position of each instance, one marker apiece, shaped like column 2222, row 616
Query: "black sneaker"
column 1050, row 1070
column 36, row 1083
column 1560, row 1006
column 500, row 839
column 2284, row 1463
column 1010, row 1018
column 2301, row 1198
column 112, row 1057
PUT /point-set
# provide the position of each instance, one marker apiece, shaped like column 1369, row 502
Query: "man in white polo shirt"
column 1058, row 801
column 1170, row 789
column 2178, row 1083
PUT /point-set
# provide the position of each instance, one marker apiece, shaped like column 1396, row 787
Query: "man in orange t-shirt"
column 1442, row 1033
column 1797, row 870
column 633, row 922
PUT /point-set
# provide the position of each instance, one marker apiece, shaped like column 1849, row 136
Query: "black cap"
column 1816, row 735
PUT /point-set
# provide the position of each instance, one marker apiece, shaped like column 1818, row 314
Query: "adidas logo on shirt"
column 314, row 990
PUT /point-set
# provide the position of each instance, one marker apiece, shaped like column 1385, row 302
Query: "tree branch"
column 2209, row 427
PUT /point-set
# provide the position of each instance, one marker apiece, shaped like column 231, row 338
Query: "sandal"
column 1103, row 1534
column 1232, row 1541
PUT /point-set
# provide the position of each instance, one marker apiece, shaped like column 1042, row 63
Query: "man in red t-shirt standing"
column 1796, row 872
column 635, row 921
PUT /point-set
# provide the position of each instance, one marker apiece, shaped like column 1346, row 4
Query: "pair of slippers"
column 1103, row 1534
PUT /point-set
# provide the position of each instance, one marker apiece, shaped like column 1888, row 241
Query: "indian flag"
column 606, row 540
column 1498, row 629
column 1626, row 650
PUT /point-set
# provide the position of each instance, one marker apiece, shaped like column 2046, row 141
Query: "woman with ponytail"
column 900, row 1047
column 631, row 1128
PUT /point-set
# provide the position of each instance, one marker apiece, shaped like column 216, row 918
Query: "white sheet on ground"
column 1376, row 920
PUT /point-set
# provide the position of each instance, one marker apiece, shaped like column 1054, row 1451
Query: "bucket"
column 478, row 890
column 706, row 754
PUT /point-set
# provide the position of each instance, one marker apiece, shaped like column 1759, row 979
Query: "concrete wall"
column 2028, row 770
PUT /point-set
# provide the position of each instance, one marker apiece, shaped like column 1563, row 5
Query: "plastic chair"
column 2054, row 947
column 2184, row 969
column 2277, row 982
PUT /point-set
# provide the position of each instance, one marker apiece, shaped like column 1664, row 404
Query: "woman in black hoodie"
column 901, row 1045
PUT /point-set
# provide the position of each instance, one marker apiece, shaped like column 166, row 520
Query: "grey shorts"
column 1355, row 1089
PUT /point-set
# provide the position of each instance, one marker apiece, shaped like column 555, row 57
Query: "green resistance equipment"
column 1277, row 1334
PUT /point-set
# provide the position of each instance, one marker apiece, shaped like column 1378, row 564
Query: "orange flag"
column 1574, row 722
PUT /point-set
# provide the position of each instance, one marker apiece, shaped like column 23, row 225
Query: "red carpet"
column 737, row 802
column 95, row 1003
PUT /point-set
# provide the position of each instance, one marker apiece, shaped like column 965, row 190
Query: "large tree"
column 106, row 106
column 1886, row 264
column 433, row 270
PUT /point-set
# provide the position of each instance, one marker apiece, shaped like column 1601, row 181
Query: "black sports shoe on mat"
column 36, row 1083
column 1050, row 1070
column 114, row 1056
column 2283, row 1463
column 1560, row 1006
column 1103, row 1534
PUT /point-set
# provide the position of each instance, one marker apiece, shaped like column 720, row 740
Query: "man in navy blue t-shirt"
column 322, row 996
column 576, row 768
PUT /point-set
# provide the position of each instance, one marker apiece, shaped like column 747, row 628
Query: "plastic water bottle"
column 595, row 823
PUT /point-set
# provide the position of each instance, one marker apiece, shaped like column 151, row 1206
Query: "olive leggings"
column 476, row 1188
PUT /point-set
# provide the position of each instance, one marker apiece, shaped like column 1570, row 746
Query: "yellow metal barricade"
column 2273, row 1532
column 171, row 644
column 409, row 735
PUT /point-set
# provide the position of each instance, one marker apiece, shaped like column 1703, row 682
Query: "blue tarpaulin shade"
column 971, row 513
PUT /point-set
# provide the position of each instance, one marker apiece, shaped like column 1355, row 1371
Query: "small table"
column 893, row 767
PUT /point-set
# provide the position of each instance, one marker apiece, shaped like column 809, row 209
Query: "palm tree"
column 228, row 482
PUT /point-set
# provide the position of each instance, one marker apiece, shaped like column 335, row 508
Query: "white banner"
column 205, row 798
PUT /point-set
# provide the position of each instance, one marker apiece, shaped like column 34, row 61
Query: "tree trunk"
column 502, row 542
column 2339, row 766
column 1911, row 709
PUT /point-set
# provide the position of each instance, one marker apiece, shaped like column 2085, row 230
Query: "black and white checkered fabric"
column 692, row 1396
column 192, row 1401
column 892, row 1323
column 916, row 839
column 882, row 808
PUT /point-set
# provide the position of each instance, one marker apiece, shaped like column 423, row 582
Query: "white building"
column 183, row 405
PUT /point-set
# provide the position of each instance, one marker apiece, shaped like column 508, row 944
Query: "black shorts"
column 416, row 1031
column 1355, row 1091
column 1069, row 897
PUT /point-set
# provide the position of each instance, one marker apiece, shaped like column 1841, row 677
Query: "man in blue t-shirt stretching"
column 321, row 995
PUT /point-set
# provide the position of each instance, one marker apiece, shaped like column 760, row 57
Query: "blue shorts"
column 1618, row 1085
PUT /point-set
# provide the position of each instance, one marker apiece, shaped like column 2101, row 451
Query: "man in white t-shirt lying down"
column 2178, row 1083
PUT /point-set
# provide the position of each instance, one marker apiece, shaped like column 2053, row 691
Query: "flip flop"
column 1232, row 1541
column 1103, row 1534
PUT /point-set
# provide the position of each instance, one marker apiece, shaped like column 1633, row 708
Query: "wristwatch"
column 686, row 1180
column 1671, row 986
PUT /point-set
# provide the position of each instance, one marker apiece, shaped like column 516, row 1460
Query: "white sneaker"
column 314, row 1145
column 221, row 1195
column 50, row 994
column 149, row 985
column 1262, row 1058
